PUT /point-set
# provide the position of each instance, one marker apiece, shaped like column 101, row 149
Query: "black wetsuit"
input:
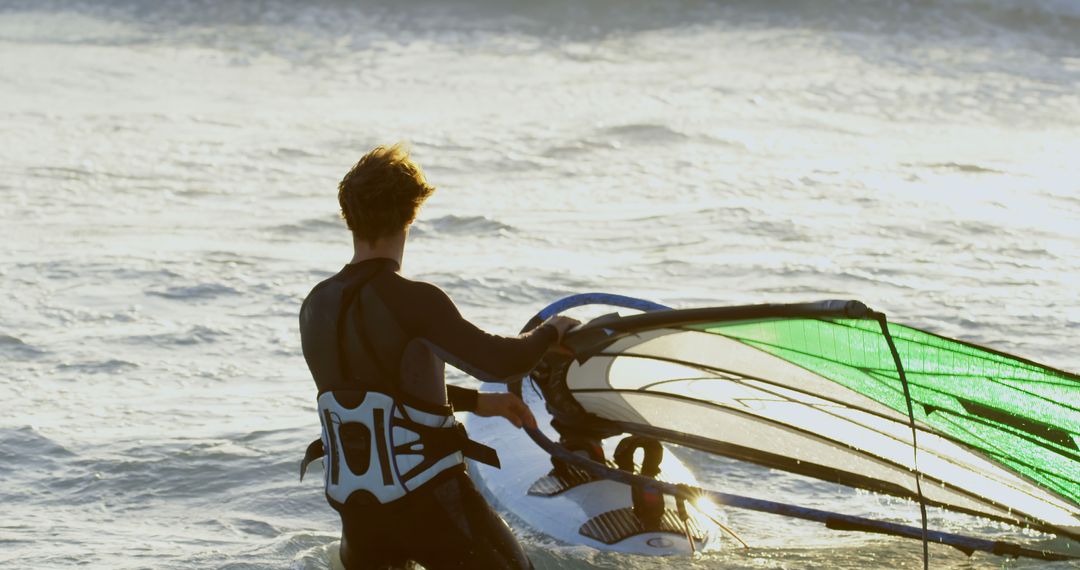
column 396, row 334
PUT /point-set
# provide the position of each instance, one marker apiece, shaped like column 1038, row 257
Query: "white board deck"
column 561, row 516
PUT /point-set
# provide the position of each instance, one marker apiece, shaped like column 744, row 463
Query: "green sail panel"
column 998, row 436
column 992, row 402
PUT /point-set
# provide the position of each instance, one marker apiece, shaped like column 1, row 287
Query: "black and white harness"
column 380, row 449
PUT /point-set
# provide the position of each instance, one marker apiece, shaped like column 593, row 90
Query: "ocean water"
column 167, row 199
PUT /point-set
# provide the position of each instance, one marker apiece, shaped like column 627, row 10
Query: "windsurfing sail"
column 815, row 389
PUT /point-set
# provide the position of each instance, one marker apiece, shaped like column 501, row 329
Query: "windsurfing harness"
column 380, row 448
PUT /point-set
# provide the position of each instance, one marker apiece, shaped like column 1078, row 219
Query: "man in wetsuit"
column 376, row 343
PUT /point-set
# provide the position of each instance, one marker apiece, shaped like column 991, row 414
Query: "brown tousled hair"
column 382, row 193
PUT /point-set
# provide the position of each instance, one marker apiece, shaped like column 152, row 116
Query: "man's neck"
column 388, row 247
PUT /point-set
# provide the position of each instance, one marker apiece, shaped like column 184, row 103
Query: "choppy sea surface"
column 167, row 199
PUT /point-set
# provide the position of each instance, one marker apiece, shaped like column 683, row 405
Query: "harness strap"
column 440, row 442
column 479, row 452
column 314, row 451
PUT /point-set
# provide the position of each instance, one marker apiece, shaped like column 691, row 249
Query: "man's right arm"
column 488, row 357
